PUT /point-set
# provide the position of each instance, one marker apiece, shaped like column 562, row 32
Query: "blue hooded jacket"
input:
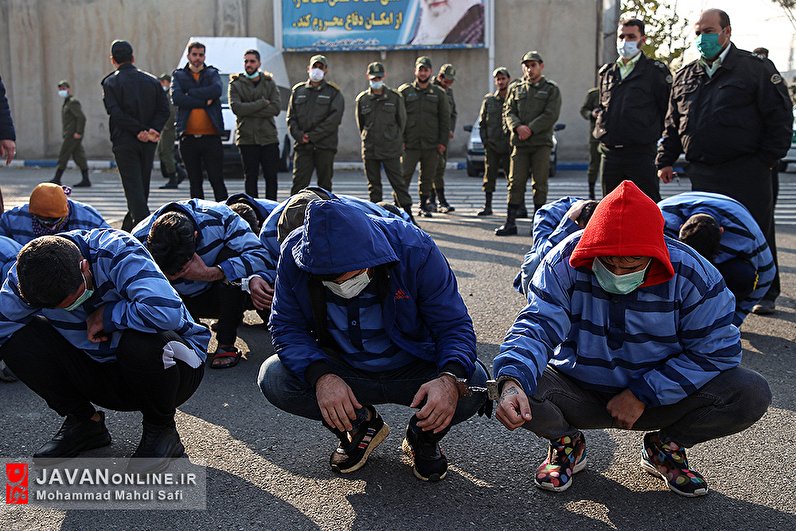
column 423, row 313
column 742, row 238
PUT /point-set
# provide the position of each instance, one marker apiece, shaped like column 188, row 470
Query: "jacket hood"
column 338, row 238
column 626, row 223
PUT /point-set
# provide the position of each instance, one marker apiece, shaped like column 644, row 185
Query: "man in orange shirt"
column 196, row 91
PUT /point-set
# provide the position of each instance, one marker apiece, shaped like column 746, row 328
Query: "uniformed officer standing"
column 589, row 111
column 634, row 94
column 168, row 166
column 254, row 98
column 531, row 110
column 381, row 118
column 444, row 80
column 313, row 117
column 493, row 136
column 74, row 125
column 731, row 114
column 427, row 130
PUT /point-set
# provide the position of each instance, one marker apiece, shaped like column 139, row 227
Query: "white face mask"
column 316, row 74
column 627, row 49
column 63, row 93
column 376, row 85
column 351, row 287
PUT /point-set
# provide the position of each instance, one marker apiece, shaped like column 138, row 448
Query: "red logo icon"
column 401, row 295
column 16, row 483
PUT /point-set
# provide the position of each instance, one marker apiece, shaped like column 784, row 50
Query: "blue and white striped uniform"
column 262, row 207
column 129, row 287
column 8, row 254
column 550, row 226
column 742, row 237
column 218, row 228
column 268, row 230
column 17, row 225
column 663, row 342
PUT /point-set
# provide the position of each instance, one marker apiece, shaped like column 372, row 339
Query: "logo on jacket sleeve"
column 401, row 295
column 16, row 484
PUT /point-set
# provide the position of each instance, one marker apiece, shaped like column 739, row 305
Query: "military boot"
column 522, row 211
column 57, row 178
column 85, row 182
column 444, row 207
column 171, row 184
column 425, row 208
column 509, row 228
column 487, row 210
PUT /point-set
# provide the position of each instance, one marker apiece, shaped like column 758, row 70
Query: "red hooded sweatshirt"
column 626, row 223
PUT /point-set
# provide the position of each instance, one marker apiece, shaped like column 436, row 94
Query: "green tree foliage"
column 668, row 34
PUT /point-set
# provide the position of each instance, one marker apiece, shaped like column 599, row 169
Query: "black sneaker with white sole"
column 355, row 447
column 428, row 460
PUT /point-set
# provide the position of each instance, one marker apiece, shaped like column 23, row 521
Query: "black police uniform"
column 630, row 122
column 733, row 128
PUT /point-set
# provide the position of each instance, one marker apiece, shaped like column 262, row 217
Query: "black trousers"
column 134, row 161
column 632, row 163
column 255, row 157
column 774, row 290
column 224, row 302
column 748, row 180
column 147, row 375
column 204, row 154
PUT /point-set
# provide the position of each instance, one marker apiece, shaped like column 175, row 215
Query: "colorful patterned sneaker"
column 565, row 458
column 666, row 459
column 428, row 460
column 353, row 452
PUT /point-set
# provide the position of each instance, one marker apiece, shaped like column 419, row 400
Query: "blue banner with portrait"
column 382, row 24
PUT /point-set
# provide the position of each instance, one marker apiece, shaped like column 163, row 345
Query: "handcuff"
column 465, row 389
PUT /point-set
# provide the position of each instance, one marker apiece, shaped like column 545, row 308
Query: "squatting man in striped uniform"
column 88, row 318
column 626, row 328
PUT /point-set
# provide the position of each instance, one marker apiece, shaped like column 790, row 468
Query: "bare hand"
column 574, row 211
column 666, row 174
column 513, row 408
column 595, row 113
column 262, row 293
column 441, row 148
column 305, row 138
column 143, row 136
column 77, row 136
column 450, row 135
column 95, row 329
column 625, row 408
column 8, row 149
column 196, row 269
column 209, row 103
column 153, row 135
column 337, row 401
column 441, row 396
column 524, row 132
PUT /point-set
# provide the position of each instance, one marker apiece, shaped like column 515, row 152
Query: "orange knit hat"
column 48, row 200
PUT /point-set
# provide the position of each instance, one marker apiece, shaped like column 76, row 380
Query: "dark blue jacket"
column 262, row 207
column 423, row 313
column 135, row 102
column 188, row 95
column 6, row 123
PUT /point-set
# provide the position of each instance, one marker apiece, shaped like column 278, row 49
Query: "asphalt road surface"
column 269, row 470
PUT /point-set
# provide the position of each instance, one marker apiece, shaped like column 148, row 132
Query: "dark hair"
column 171, row 241
column 48, row 269
column 586, row 213
column 761, row 51
column 633, row 22
column 122, row 56
column 247, row 213
column 196, row 44
column 252, row 52
column 702, row 232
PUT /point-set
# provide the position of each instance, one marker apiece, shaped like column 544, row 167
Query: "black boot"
column 408, row 210
column 487, row 210
column 522, row 211
column 75, row 436
column 85, row 182
column 57, row 178
column 432, row 201
column 171, row 184
column 425, row 208
column 591, row 191
column 444, row 206
column 181, row 173
column 509, row 228
column 158, row 446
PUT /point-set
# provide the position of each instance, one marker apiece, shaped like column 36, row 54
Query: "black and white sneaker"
column 354, row 449
column 428, row 460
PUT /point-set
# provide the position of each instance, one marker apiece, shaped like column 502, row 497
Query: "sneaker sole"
column 407, row 450
column 377, row 439
column 552, row 488
column 100, row 441
column 652, row 471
